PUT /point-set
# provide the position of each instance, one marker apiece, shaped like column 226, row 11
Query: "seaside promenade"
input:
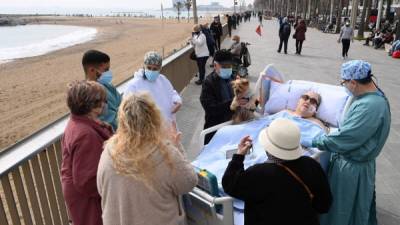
column 320, row 62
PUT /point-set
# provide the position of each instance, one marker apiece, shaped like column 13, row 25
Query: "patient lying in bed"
column 307, row 107
column 216, row 155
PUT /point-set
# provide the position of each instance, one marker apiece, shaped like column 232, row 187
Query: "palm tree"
column 339, row 17
column 178, row 5
column 188, row 5
column 388, row 6
column 361, row 28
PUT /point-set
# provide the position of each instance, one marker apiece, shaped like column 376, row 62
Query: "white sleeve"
column 130, row 89
column 172, row 92
column 200, row 40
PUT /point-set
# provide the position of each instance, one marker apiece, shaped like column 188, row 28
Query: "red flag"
column 258, row 30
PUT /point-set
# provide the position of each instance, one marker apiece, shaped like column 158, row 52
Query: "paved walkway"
column 320, row 61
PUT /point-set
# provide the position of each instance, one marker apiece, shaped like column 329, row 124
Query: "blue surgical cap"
column 152, row 58
column 355, row 70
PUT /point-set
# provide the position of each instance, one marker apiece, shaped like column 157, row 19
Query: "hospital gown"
column 214, row 159
column 354, row 147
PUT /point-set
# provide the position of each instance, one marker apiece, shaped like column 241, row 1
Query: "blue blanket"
column 214, row 155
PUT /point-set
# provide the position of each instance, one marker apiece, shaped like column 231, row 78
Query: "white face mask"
column 312, row 109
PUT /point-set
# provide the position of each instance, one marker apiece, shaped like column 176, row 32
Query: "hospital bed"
column 206, row 203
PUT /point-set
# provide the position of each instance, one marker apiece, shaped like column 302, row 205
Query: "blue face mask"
column 348, row 91
column 225, row 73
column 151, row 75
column 106, row 77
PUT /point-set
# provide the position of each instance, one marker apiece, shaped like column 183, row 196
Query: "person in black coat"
column 216, row 93
column 216, row 30
column 284, row 34
column 230, row 24
column 287, row 189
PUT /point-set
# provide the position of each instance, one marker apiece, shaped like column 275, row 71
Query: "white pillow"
column 286, row 96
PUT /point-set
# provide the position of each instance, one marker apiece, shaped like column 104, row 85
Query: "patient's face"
column 307, row 104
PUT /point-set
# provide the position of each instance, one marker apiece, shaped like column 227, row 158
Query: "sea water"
column 33, row 40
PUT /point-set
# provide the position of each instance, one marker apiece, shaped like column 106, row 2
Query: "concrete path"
column 320, row 61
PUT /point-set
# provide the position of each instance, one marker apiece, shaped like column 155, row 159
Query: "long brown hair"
column 139, row 135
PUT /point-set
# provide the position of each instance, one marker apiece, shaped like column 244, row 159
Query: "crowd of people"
column 123, row 161
column 380, row 37
column 206, row 40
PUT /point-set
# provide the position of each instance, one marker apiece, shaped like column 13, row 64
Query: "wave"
column 77, row 36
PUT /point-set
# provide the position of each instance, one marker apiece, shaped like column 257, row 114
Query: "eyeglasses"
column 343, row 82
column 312, row 100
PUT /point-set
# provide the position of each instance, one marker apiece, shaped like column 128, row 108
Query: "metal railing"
column 31, row 191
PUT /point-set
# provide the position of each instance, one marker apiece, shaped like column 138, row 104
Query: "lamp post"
column 234, row 5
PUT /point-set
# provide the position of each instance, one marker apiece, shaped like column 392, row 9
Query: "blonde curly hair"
column 140, row 134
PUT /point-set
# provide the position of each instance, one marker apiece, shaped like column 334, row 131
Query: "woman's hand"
column 175, row 136
column 245, row 144
column 176, row 107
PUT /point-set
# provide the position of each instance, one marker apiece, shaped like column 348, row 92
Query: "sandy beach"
column 32, row 90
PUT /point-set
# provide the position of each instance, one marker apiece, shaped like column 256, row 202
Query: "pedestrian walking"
column 346, row 35
column 300, row 35
column 230, row 24
column 216, row 30
column 284, row 34
column 260, row 18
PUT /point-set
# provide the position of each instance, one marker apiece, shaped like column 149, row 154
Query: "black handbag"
column 192, row 55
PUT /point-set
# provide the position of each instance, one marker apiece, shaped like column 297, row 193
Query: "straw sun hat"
column 281, row 139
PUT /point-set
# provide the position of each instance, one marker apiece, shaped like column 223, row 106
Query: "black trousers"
column 345, row 46
column 299, row 46
column 201, row 65
column 230, row 30
column 217, row 39
column 284, row 41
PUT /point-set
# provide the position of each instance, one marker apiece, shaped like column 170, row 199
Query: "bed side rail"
column 201, row 208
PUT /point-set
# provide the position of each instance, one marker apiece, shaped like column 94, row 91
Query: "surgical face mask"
column 225, row 73
column 105, row 77
column 151, row 75
column 346, row 88
column 312, row 109
column 348, row 91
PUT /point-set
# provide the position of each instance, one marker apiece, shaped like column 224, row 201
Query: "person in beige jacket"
column 142, row 172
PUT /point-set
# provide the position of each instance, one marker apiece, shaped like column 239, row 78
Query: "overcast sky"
column 133, row 4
